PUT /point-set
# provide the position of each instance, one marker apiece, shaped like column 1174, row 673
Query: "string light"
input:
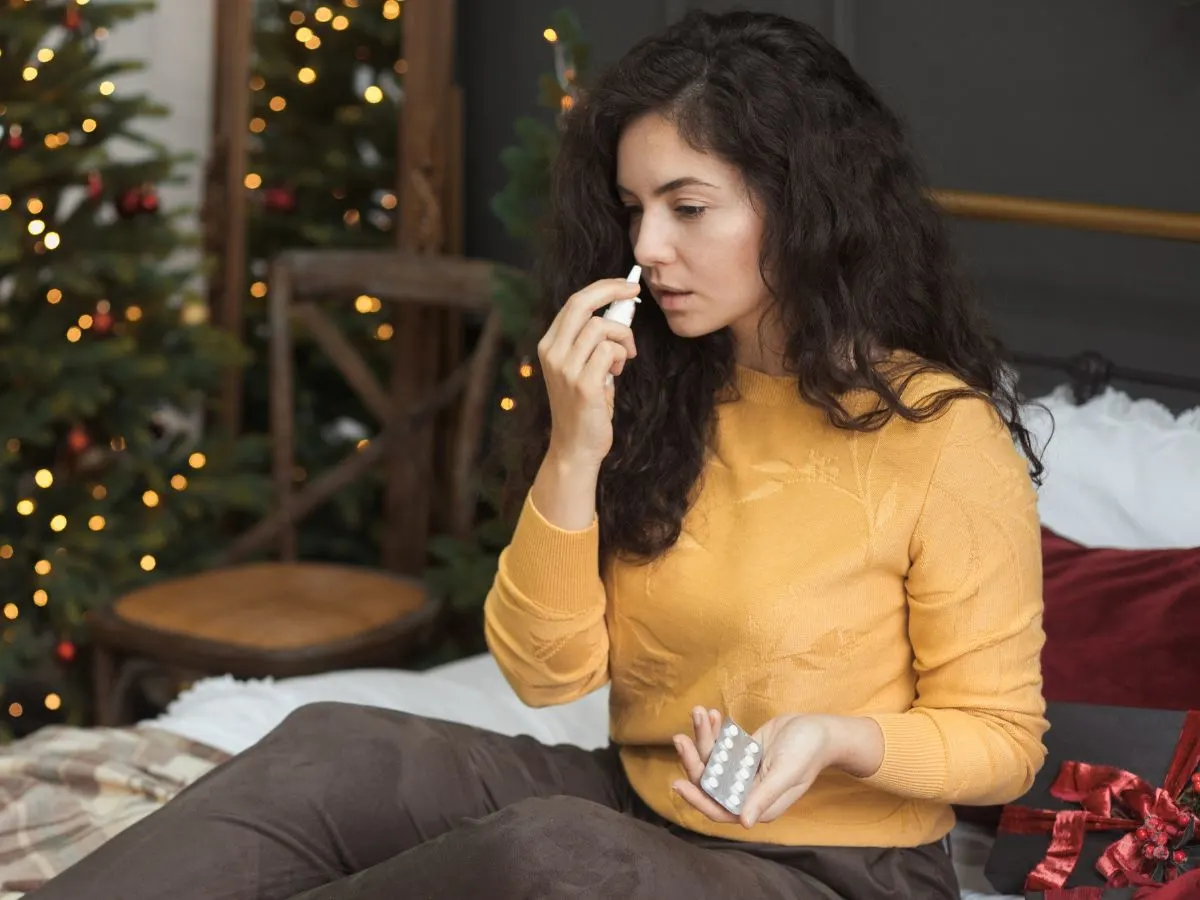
column 11, row 611
column 36, row 227
column 88, row 126
column 12, row 445
column 391, row 9
column 550, row 35
column 401, row 67
column 363, row 444
column 25, row 507
column 179, row 482
column 43, row 478
column 99, row 492
column 307, row 75
column 148, row 563
column 29, row 73
column 107, row 87
column 6, row 551
column 197, row 460
column 74, row 334
column 364, row 303
column 297, row 17
column 253, row 181
column 15, row 710
column 103, row 306
column 388, row 201
column 58, row 523
column 40, row 597
column 526, row 370
column 54, row 295
column 384, row 332
column 133, row 313
column 313, row 43
column 52, row 240
column 34, row 205
column 340, row 23
column 303, row 34
column 5, row 203
column 45, row 55
column 258, row 125
column 42, row 567
column 277, row 104
column 373, row 94
column 96, row 523
column 507, row 403
column 150, row 498
column 117, row 443
column 323, row 14
column 53, row 702
column 85, row 321
column 258, row 289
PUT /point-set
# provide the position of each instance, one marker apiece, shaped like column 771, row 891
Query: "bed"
column 1117, row 468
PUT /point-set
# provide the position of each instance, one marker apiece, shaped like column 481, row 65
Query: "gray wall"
column 1087, row 100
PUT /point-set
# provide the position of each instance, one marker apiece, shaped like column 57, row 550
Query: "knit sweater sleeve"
column 544, row 617
column 974, row 734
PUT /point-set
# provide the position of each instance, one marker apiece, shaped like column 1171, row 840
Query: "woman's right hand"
column 577, row 353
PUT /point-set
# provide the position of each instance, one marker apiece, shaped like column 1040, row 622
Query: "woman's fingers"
column 581, row 306
column 593, row 334
column 689, row 756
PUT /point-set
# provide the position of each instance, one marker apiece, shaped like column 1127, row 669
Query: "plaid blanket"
column 65, row 791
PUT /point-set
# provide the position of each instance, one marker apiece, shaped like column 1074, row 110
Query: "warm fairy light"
column 117, row 443
column 313, row 43
column 526, row 370
column 253, row 181
column 507, row 403
column 58, row 523
column 307, row 75
column 257, row 83
column 53, row 702
column 401, row 67
column 323, row 14
column 81, row 2
column 107, row 87
column 303, row 34
column 297, row 17
column 351, row 216
column 100, row 33
column 388, row 201
column 25, row 507
column 150, row 498
column 43, row 478
column 179, row 482
column 258, row 125
column 258, row 289
column 148, row 563
column 40, row 597
column 36, row 227
column 12, row 445
column 99, row 492
column 11, row 611
column 278, row 104
column 96, row 523
column 45, row 55
column 54, row 295
column 364, row 303
column 103, row 306
column 373, row 94
column 391, row 9
column 5, row 203
column 34, row 205
column 384, row 332
column 52, row 240
column 197, row 460
column 74, row 334
column 550, row 35
column 363, row 444
column 51, row 141
column 15, row 710
column 133, row 313
column 566, row 102
column 6, row 551
column 340, row 23
column 85, row 321
column 42, row 567
column 88, row 126
column 29, row 73
column 352, row 4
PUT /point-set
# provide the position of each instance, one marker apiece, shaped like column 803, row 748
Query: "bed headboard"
column 1084, row 368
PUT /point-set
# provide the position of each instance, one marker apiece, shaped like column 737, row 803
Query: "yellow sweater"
column 895, row 575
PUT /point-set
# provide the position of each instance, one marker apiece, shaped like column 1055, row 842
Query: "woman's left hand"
column 796, row 749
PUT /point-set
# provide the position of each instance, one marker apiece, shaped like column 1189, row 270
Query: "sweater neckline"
column 769, row 390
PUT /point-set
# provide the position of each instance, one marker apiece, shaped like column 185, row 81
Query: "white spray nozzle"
column 622, row 310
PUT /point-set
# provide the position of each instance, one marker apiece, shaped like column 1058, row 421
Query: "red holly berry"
column 1148, row 851
column 279, row 199
column 78, row 440
column 102, row 322
column 15, row 142
column 1160, row 838
column 1143, row 834
column 1179, row 857
column 72, row 19
column 1185, row 819
column 1161, row 853
column 65, row 651
column 1196, row 782
column 149, row 200
column 95, row 185
column 1154, row 822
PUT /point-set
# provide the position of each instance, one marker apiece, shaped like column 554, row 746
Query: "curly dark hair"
column 855, row 257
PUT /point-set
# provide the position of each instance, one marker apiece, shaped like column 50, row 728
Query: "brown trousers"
column 344, row 802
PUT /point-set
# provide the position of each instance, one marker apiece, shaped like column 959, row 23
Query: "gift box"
column 1111, row 815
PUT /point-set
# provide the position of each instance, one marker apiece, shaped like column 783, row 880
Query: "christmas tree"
column 464, row 569
column 326, row 96
column 108, row 476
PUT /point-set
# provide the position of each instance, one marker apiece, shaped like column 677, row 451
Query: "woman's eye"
column 690, row 212
column 632, row 211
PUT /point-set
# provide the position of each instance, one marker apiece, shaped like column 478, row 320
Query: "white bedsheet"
column 233, row 715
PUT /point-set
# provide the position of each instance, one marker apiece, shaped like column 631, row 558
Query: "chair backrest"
column 420, row 288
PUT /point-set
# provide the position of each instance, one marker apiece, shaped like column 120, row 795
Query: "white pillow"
column 1119, row 472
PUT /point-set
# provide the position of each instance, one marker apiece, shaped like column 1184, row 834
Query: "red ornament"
column 102, row 322
column 15, row 142
column 279, row 199
column 72, row 19
column 129, row 204
column 95, row 185
column 149, row 200
column 78, row 440
column 65, row 651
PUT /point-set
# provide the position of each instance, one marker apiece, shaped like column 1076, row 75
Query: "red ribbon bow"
column 1112, row 799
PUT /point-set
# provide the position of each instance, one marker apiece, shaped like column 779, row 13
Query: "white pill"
column 717, row 769
column 738, row 787
column 734, row 800
column 752, row 748
column 727, row 743
column 742, row 774
column 711, row 783
column 722, row 756
column 731, row 730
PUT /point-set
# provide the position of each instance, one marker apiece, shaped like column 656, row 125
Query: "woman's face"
column 695, row 233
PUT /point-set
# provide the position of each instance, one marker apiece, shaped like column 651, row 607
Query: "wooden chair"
column 286, row 617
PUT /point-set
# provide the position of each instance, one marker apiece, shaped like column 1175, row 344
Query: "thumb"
column 775, row 783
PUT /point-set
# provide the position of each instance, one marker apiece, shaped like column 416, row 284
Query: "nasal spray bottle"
column 622, row 310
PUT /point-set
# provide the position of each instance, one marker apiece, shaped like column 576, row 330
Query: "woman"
column 797, row 503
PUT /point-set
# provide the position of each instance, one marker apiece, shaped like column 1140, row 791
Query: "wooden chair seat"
column 267, row 619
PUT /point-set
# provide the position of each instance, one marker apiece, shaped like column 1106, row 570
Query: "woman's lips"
column 671, row 299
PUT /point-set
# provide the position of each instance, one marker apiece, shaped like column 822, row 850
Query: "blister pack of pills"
column 731, row 768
